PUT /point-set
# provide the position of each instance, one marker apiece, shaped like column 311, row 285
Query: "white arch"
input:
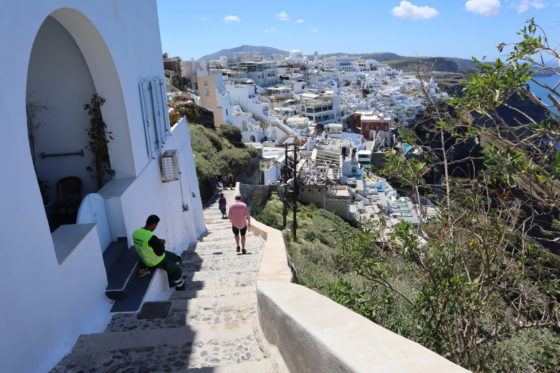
column 107, row 84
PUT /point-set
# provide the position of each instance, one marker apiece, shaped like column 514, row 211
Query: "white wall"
column 148, row 195
column 272, row 175
column 46, row 305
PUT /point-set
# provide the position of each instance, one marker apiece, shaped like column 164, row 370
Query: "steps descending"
column 209, row 327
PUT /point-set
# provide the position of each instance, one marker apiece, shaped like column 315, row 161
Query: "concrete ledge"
column 274, row 262
column 316, row 334
column 303, row 331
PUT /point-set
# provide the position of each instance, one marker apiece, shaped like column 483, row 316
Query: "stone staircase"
column 210, row 326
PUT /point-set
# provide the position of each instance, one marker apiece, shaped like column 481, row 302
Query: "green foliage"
column 231, row 133
column 476, row 283
column 200, row 142
column 231, row 160
column 214, row 156
column 494, row 84
column 99, row 138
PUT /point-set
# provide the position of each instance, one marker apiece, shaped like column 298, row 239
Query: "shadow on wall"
column 93, row 354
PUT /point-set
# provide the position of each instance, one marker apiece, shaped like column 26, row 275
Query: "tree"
column 483, row 268
column 231, row 133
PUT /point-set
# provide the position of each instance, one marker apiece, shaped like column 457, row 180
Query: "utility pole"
column 285, row 182
column 296, row 190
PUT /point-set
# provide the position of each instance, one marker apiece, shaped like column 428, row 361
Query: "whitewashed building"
column 56, row 55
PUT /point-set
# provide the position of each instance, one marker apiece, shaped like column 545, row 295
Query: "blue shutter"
column 158, row 113
column 147, row 116
column 167, row 123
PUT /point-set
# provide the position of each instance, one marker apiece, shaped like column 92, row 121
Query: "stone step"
column 161, row 350
column 222, row 262
column 229, row 240
column 224, row 250
column 213, row 292
column 204, row 281
column 263, row 366
column 229, row 257
column 229, row 311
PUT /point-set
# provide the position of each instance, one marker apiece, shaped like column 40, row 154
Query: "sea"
column 542, row 93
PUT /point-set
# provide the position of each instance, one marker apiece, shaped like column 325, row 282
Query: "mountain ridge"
column 405, row 63
column 267, row 51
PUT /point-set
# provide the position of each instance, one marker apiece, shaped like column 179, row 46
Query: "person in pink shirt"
column 240, row 220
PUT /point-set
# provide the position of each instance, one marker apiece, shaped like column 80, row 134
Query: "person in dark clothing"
column 222, row 203
column 152, row 253
column 230, row 181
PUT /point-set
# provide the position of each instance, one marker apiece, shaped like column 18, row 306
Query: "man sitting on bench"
column 152, row 253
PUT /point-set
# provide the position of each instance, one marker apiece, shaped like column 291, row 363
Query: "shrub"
column 231, row 160
column 231, row 133
column 200, row 142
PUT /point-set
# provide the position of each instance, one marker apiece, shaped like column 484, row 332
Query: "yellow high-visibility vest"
column 141, row 237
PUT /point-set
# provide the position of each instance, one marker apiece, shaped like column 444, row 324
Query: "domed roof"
column 296, row 53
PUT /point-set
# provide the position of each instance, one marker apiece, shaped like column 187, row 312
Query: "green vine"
column 99, row 138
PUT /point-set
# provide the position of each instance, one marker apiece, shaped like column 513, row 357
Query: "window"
column 206, row 92
column 206, row 83
column 153, row 100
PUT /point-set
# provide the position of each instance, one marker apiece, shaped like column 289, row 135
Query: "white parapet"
column 304, row 331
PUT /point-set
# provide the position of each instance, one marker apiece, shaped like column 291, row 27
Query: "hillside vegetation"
column 479, row 282
column 215, row 155
column 346, row 264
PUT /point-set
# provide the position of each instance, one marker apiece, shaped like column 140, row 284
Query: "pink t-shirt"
column 238, row 214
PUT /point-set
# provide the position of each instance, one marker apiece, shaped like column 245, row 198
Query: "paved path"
column 209, row 328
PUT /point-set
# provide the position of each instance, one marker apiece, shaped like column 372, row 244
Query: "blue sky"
column 456, row 28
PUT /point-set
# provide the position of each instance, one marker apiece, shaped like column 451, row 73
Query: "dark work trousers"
column 170, row 264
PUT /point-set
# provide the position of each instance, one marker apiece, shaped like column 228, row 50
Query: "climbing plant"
column 99, row 138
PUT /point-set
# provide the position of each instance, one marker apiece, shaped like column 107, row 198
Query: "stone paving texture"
column 210, row 326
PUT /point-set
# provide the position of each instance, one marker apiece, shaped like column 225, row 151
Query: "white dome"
column 296, row 53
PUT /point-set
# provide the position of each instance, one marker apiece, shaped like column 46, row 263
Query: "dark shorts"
column 237, row 230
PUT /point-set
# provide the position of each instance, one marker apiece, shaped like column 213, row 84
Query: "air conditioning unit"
column 169, row 166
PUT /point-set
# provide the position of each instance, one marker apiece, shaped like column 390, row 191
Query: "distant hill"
column 404, row 63
column 229, row 53
column 410, row 64
column 425, row 64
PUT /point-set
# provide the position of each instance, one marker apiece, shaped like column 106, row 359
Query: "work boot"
column 180, row 288
column 143, row 272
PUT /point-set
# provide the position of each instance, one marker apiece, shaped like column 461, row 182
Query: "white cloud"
column 483, row 7
column 300, row 20
column 525, row 5
column 204, row 19
column 407, row 10
column 282, row 16
column 228, row 19
column 314, row 30
column 269, row 30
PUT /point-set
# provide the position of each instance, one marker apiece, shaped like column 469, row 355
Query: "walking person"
column 240, row 221
column 152, row 253
column 222, row 203
column 230, row 182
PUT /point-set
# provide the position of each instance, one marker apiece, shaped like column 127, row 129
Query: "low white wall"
column 307, row 332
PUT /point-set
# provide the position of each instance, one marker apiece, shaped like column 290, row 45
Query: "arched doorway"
column 68, row 65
